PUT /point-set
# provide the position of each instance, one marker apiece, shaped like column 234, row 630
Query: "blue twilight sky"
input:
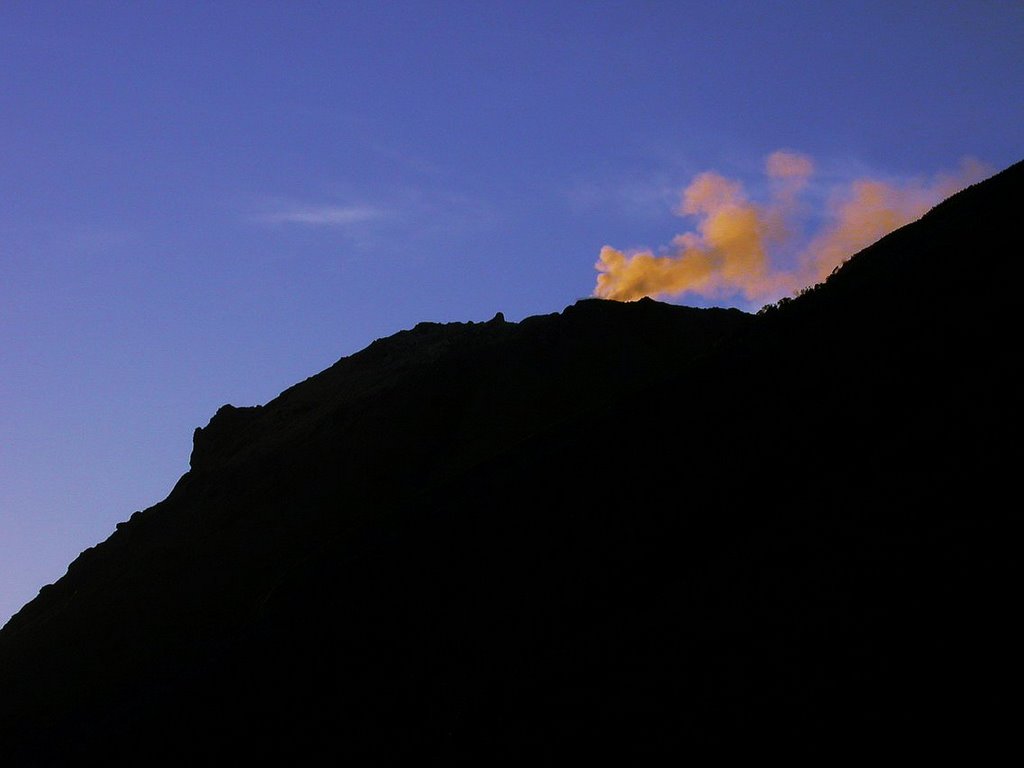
column 206, row 202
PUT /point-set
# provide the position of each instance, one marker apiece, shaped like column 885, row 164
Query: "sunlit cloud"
column 757, row 250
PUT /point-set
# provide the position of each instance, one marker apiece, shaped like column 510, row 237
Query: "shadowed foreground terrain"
column 622, row 530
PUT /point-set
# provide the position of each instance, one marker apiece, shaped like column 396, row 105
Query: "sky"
column 206, row 202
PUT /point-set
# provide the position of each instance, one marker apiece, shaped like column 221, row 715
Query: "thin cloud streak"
column 325, row 215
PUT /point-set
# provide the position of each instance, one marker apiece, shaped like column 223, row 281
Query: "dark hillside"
column 625, row 529
column 272, row 486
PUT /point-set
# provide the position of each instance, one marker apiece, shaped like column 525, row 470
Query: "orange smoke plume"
column 738, row 245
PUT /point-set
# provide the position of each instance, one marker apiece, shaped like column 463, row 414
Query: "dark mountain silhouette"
column 625, row 530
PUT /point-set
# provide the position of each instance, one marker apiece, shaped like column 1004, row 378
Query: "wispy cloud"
column 640, row 197
column 325, row 215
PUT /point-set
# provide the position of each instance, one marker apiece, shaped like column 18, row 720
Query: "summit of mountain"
column 637, row 530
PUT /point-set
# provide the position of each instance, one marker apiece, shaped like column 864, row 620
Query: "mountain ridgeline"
column 633, row 530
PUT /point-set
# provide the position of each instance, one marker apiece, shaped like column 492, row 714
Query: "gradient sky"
column 203, row 203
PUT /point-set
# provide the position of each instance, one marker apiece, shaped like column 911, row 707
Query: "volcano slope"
column 627, row 529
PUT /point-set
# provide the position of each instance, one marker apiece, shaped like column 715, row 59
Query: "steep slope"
column 272, row 486
column 632, row 528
